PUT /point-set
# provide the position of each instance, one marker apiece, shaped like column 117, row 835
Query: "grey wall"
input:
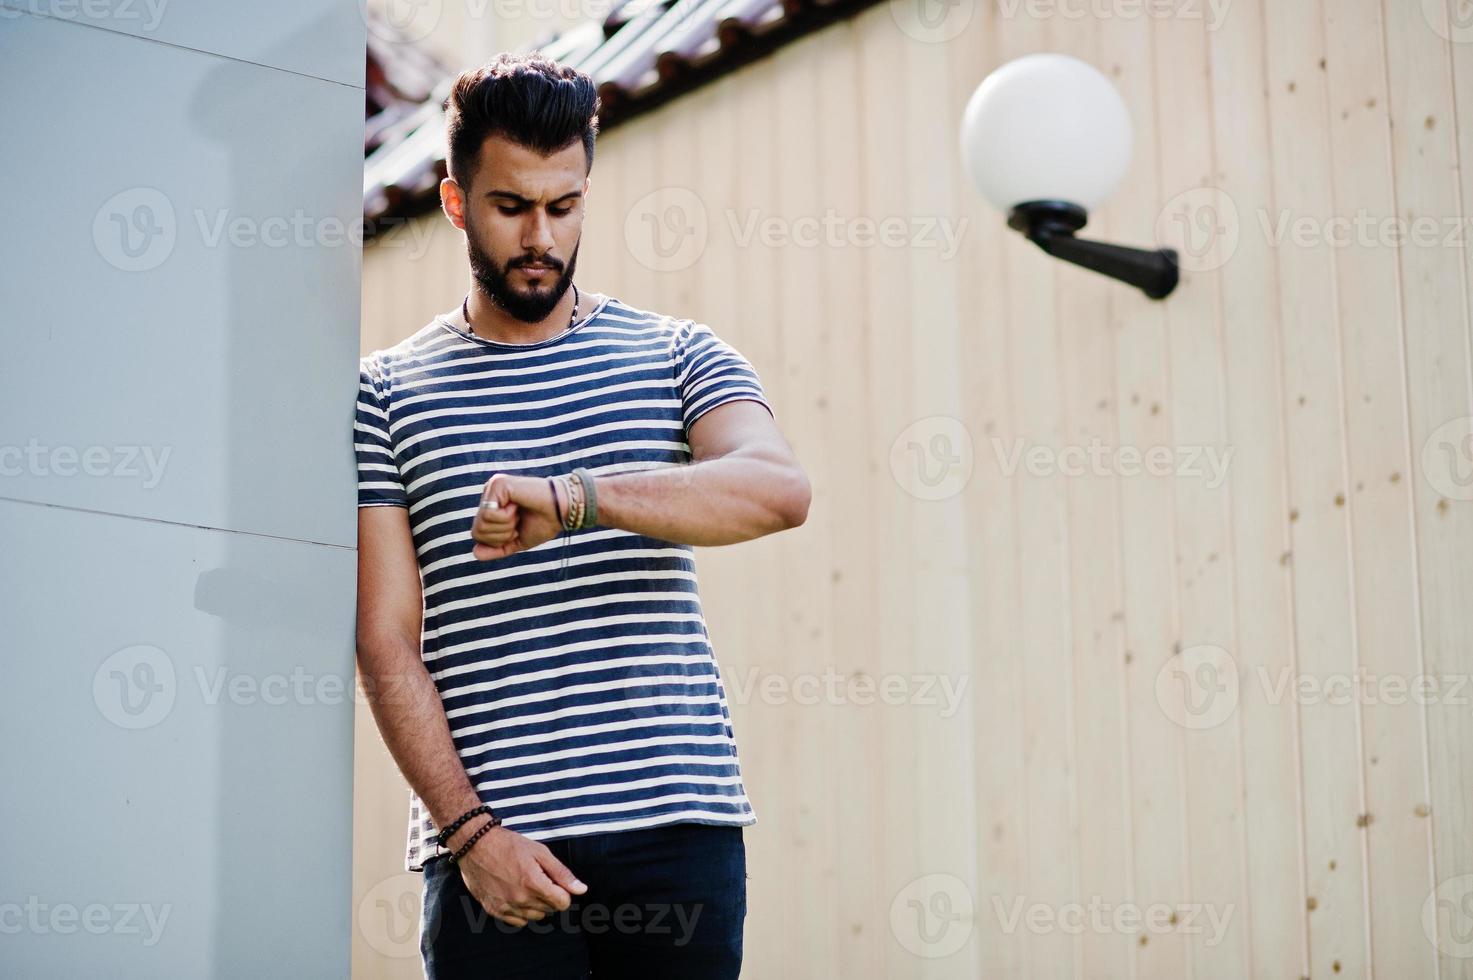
column 179, row 300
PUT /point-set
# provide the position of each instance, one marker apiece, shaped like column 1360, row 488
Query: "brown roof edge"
column 677, row 60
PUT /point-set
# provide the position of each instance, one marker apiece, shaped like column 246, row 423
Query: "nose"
column 537, row 235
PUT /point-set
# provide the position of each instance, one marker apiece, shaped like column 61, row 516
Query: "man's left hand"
column 523, row 517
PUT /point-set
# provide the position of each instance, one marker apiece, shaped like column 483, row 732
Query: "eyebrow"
column 526, row 200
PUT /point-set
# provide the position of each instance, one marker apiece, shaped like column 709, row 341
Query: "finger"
column 556, row 878
column 490, row 514
column 493, row 535
column 533, row 913
column 489, row 552
column 513, row 920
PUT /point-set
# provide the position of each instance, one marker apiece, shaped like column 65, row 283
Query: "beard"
column 495, row 283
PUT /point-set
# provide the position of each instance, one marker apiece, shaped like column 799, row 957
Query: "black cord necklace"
column 465, row 311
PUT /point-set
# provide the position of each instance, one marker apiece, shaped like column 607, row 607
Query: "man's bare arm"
column 515, row 878
column 400, row 691
column 743, row 482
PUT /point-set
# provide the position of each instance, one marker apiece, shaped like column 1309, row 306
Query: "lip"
column 535, row 269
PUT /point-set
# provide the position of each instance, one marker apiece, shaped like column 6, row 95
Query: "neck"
column 490, row 322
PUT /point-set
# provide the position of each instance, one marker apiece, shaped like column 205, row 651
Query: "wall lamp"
column 1045, row 138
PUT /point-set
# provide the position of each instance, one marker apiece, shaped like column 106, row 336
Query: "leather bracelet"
column 443, row 836
column 470, row 841
column 590, row 516
column 556, row 504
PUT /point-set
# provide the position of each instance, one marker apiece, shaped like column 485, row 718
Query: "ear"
column 452, row 202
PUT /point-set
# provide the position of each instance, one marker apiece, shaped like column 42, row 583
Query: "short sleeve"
column 379, row 482
column 711, row 372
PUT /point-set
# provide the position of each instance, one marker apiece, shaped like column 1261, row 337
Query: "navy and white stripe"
column 578, row 676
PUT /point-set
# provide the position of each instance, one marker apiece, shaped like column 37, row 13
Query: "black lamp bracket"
column 1051, row 226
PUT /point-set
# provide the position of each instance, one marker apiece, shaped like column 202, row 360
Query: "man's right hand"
column 516, row 879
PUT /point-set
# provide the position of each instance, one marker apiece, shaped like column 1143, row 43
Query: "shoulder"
column 426, row 345
column 676, row 331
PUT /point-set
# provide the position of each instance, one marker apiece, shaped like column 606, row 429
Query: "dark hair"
column 527, row 98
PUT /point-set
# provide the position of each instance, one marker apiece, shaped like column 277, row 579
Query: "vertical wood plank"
column 996, row 670
column 1246, row 266
column 1435, row 313
column 1334, row 800
column 1158, row 788
column 1218, row 940
column 806, row 326
column 1399, row 854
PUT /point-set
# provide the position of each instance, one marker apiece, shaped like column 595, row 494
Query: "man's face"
column 523, row 221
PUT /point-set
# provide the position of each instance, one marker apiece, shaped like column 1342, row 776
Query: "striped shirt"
column 578, row 677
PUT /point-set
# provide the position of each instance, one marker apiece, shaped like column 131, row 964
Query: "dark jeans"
column 661, row 902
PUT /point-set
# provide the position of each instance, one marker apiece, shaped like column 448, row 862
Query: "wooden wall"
column 1128, row 741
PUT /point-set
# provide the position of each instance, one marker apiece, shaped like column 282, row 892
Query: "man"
column 535, row 467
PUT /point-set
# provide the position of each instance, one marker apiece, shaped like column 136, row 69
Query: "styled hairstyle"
column 527, row 98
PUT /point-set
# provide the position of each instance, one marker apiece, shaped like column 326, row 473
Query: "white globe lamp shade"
column 1046, row 127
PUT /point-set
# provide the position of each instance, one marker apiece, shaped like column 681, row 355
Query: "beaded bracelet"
column 443, row 836
column 470, row 841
